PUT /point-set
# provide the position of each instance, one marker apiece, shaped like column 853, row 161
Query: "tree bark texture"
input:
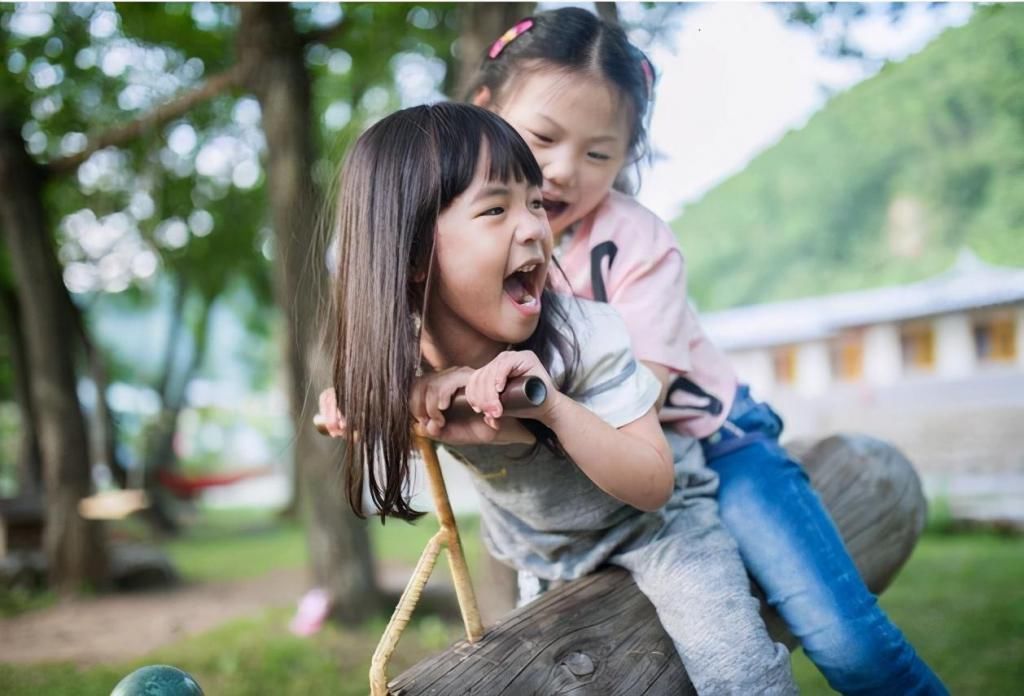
column 74, row 547
column 339, row 542
column 607, row 11
column 600, row 635
column 30, row 470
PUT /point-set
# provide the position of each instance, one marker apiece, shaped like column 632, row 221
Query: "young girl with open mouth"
column 579, row 93
column 444, row 251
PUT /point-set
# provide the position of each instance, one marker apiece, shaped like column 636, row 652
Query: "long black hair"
column 400, row 175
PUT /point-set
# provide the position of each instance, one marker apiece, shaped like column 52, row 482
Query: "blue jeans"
column 792, row 549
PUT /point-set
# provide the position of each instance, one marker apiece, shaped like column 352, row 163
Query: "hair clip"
column 645, row 65
column 508, row 37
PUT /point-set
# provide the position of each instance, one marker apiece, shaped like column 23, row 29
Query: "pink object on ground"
column 314, row 608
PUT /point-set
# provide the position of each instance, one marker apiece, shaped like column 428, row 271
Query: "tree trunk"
column 600, row 635
column 30, row 472
column 159, row 455
column 339, row 543
column 480, row 24
column 607, row 11
column 74, row 547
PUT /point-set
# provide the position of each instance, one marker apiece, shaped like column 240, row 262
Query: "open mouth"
column 554, row 207
column 525, row 284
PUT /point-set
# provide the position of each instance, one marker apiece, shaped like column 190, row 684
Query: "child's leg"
column 695, row 579
column 794, row 552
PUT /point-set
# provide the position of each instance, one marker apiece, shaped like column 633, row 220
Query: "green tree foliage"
column 884, row 185
column 72, row 71
column 181, row 206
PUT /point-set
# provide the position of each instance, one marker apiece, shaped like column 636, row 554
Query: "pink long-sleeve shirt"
column 625, row 255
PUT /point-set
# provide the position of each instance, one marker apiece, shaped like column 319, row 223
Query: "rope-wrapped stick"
column 520, row 392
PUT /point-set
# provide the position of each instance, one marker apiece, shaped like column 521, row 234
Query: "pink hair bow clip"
column 508, row 37
column 648, row 76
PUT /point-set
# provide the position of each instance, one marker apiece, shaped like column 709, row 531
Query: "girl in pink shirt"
column 579, row 93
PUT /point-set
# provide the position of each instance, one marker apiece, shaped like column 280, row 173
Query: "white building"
column 966, row 322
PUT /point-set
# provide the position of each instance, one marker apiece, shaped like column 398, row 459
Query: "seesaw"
column 599, row 634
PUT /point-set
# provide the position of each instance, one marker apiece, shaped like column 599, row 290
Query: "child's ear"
column 482, row 97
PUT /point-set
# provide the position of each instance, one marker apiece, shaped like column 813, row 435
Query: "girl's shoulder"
column 598, row 328
column 607, row 378
column 590, row 319
column 623, row 220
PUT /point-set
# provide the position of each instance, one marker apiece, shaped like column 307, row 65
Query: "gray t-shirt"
column 540, row 511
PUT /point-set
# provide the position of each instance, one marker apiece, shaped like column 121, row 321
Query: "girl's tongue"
column 517, row 289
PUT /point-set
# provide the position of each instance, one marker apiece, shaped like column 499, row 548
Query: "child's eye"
column 496, row 210
column 598, row 156
column 537, row 204
column 543, row 138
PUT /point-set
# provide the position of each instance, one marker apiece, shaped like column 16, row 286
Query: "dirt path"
column 120, row 627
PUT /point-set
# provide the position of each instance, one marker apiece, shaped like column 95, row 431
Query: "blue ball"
column 157, row 680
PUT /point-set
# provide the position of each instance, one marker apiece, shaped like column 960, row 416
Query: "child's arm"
column 430, row 397
column 632, row 463
column 432, row 394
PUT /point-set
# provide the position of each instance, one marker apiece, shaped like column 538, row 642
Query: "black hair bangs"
column 464, row 133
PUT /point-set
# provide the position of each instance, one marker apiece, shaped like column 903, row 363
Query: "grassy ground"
column 234, row 544
column 251, row 656
column 960, row 600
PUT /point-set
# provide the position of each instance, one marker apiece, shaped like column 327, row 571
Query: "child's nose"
column 532, row 228
column 560, row 169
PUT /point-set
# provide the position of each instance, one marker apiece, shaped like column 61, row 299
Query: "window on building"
column 784, row 365
column 917, row 341
column 846, row 355
column 995, row 337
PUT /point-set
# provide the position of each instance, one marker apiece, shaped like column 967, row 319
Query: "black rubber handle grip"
column 520, row 392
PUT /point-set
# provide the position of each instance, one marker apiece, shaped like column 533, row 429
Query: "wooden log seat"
column 599, row 635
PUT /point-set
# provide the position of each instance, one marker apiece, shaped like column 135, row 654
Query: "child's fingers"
column 337, row 427
column 330, row 415
column 482, row 392
column 432, row 403
column 509, row 364
column 433, row 428
column 328, row 404
column 500, row 368
column 418, row 400
column 445, row 395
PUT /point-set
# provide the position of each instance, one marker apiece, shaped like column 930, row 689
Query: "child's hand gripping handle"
column 521, row 392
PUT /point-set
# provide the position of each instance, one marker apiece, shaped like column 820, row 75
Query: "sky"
column 733, row 78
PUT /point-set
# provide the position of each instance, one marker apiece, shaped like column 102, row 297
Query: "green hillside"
column 882, row 186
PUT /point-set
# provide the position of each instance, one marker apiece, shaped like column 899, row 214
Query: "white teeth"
column 528, row 268
column 527, row 299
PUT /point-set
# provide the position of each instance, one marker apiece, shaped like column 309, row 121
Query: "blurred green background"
column 165, row 189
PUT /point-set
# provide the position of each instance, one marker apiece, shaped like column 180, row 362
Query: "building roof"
column 969, row 284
